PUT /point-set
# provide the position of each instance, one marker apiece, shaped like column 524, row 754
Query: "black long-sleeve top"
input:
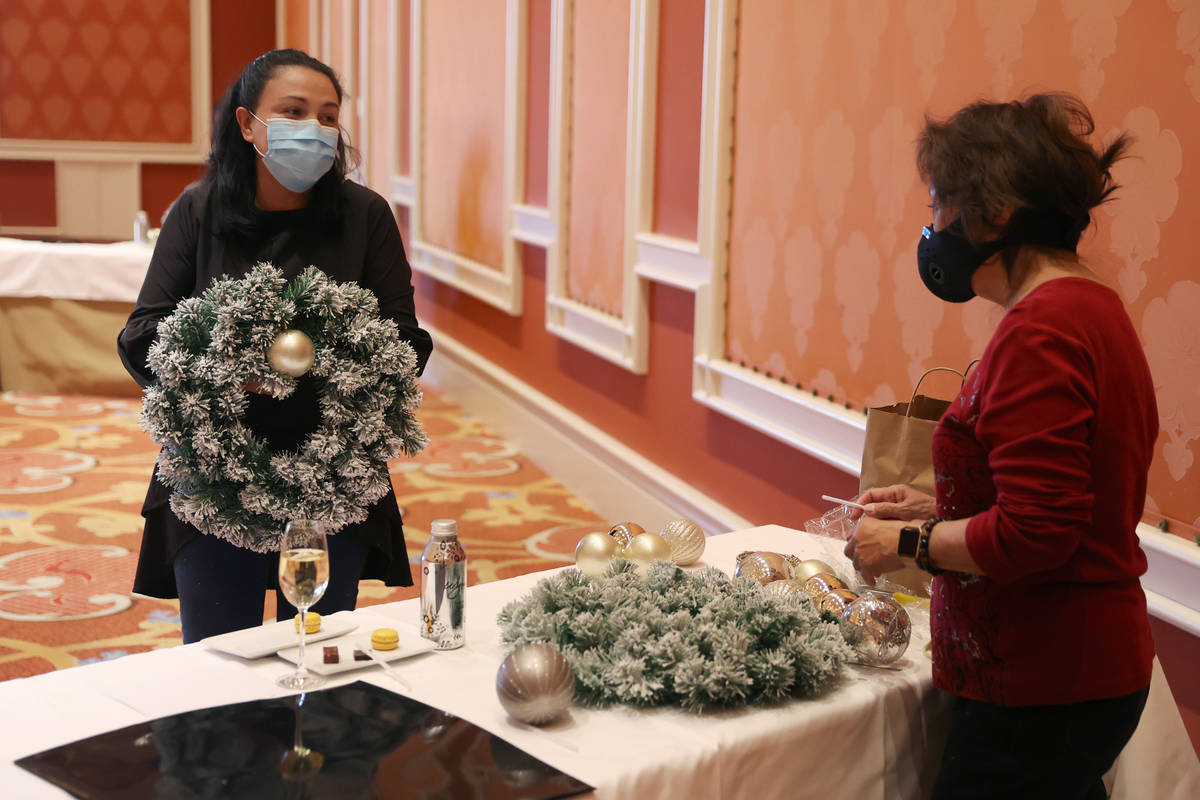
column 364, row 247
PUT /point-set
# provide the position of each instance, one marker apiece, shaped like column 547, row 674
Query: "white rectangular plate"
column 410, row 644
column 267, row 639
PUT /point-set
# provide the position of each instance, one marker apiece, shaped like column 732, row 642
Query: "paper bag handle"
column 962, row 376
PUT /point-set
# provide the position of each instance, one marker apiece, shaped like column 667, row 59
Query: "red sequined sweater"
column 1046, row 449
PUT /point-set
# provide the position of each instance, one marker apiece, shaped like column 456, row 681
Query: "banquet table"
column 876, row 733
column 61, row 307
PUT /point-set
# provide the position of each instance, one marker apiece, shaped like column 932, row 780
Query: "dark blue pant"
column 222, row 587
column 1032, row 752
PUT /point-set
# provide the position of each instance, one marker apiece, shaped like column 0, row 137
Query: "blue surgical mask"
column 299, row 152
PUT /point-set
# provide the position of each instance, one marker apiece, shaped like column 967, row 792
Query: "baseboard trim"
column 618, row 483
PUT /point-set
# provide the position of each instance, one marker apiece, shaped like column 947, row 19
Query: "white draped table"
column 73, row 270
column 876, row 734
column 62, row 305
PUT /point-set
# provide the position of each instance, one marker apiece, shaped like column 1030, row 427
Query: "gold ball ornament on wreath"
column 593, row 553
column 686, row 539
column 645, row 549
column 535, row 683
column 292, row 353
column 624, row 532
column 820, row 585
column 789, row 587
column 809, row 567
column 763, row 567
column 837, row 601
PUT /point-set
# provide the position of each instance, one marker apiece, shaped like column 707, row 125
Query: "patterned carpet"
column 73, row 473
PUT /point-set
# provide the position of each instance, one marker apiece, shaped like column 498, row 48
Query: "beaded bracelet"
column 923, row 561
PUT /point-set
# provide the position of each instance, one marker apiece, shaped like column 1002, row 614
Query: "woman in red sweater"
column 1038, row 617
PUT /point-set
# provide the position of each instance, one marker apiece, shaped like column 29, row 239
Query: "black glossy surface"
column 357, row 741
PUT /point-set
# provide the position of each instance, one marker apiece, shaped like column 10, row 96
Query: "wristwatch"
column 925, row 532
column 910, row 539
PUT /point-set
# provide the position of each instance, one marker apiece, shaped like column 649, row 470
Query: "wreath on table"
column 225, row 480
column 691, row 638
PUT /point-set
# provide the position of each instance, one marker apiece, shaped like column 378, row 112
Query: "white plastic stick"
column 387, row 668
column 843, row 502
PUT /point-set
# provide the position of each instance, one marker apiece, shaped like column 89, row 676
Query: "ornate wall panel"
column 827, row 206
column 106, row 72
column 462, row 129
column 599, row 122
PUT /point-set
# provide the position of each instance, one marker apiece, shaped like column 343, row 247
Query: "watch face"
column 909, row 537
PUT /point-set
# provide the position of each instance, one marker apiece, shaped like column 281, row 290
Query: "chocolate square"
column 331, row 655
column 359, row 655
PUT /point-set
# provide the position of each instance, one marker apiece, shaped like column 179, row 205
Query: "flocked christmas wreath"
column 226, row 481
column 696, row 639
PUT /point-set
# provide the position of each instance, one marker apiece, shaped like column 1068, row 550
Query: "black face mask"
column 947, row 260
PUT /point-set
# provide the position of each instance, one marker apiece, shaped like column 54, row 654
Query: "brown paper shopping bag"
column 899, row 449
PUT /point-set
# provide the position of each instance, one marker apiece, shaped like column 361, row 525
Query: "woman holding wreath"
column 275, row 191
column 1038, row 617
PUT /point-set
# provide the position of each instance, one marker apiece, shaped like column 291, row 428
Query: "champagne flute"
column 303, row 576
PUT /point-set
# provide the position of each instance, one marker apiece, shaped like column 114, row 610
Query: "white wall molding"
column 825, row 430
column 1172, row 579
column 616, row 481
column 498, row 287
column 533, row 225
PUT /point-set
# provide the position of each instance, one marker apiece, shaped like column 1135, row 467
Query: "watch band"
column 923, row 561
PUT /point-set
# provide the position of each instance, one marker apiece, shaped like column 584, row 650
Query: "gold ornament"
column 292, row 353
column 820, row 585
column 624, row 532
column 762, row 567
column 593, row 553
column 806, row 569
column 686, row 539
column 790, row 587
column 836, row 601
column 877, row 627
column 645, row 549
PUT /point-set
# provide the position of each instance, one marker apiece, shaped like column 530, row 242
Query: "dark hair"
column 232, row 165
column 1030, row 157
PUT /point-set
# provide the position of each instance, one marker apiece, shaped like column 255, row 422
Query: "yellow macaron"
column 384, row 639
column 312, row 622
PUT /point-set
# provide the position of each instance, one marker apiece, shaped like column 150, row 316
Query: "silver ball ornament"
column 535, row 683
column 645, row 549
column 292, row 353
column 877, row 627
column 686, row 539
column 593, row 553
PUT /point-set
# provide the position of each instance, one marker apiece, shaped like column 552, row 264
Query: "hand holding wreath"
column 226, row 481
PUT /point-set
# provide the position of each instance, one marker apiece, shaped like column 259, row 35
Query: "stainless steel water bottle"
column 443, row 586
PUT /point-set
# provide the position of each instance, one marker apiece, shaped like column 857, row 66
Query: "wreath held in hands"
column 226, row 481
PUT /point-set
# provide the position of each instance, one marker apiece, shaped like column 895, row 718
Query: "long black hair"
column 232, row 162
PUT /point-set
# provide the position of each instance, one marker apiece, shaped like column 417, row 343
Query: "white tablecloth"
column 877, row 735
column 73, row 271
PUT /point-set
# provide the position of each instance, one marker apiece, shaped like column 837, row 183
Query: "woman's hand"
column 873, row 545
column 895, row 502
